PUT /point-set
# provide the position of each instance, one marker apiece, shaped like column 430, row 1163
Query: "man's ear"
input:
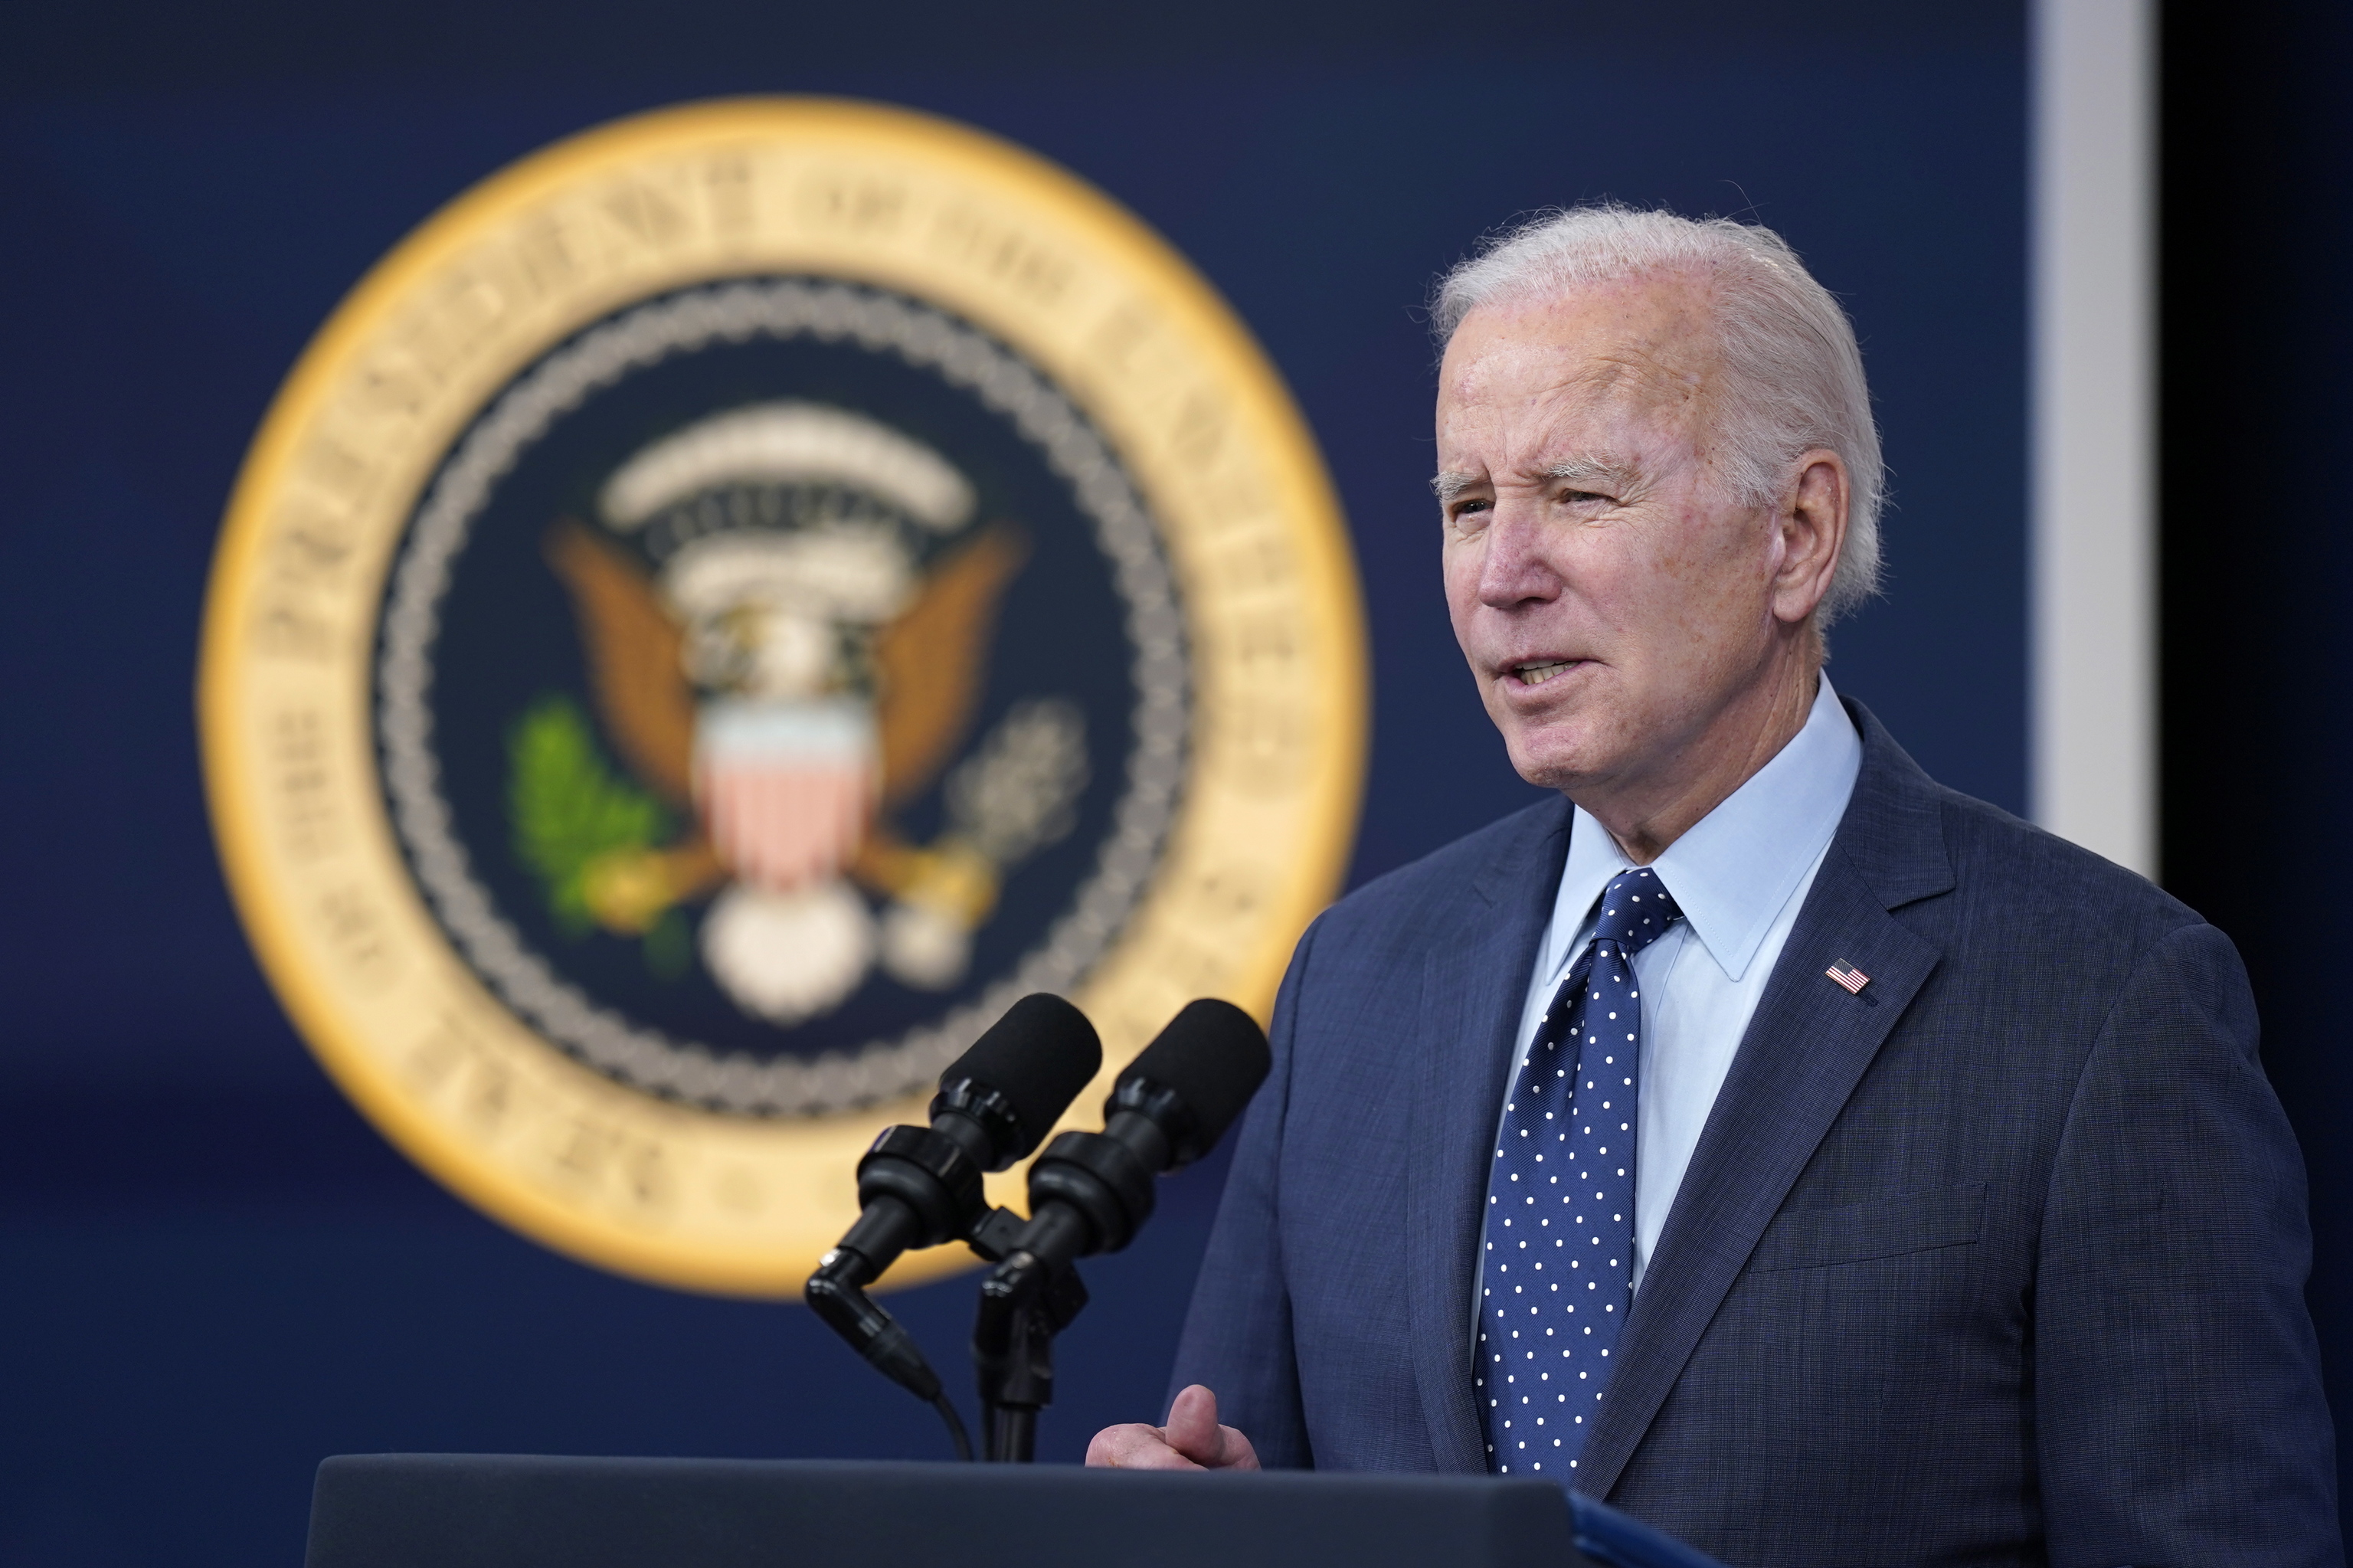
column 1812, row 521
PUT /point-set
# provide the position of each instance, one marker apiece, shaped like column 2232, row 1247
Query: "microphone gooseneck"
column 921, row 1186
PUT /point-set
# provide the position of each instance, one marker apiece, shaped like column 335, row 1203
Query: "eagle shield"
column 785, row 789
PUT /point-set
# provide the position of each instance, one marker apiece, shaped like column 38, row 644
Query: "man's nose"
column 1513, row 568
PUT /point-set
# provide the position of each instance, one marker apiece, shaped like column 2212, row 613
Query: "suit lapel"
column 1807, row 1047
column 1474, row 981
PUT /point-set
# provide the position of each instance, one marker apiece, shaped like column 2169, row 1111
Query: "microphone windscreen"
column 1213, row 1056
column 1039, row 1057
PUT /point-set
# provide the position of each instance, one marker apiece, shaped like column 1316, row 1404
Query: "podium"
column 464, row 1510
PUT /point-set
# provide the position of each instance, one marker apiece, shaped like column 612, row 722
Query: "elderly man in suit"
column 1824, row 1166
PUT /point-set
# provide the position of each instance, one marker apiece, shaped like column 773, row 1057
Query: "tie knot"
column 1636, row 910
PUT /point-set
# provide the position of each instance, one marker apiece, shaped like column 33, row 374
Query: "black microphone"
column 1092, row 1192
column 921, row 1186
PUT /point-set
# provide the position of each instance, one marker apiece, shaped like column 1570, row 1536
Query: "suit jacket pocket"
column 1884, row 1228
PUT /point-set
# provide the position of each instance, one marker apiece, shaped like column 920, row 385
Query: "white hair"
column 1792, row 370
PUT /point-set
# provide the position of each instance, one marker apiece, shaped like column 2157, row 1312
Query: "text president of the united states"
column 1826, row 1166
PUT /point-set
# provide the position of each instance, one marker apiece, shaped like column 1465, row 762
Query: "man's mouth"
column 1536, row 672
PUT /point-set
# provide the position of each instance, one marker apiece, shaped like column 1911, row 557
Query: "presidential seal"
column 719, row 612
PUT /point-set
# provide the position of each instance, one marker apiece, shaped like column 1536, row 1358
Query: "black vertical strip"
column 2256, row 427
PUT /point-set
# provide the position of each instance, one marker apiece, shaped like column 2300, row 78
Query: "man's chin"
column 1551, row 760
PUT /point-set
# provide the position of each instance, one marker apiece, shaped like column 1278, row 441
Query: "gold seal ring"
column 970, row 259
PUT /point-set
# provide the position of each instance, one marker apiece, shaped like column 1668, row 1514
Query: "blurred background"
column 213, row 1273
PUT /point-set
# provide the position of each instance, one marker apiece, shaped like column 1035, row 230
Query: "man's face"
column 1611, row 600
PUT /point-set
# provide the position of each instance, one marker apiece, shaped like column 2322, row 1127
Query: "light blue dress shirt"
column 1740, row 874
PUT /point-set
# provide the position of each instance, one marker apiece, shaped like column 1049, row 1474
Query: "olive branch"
column 569, row 807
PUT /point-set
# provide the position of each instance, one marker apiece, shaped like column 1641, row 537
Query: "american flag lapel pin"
column 1854, row 978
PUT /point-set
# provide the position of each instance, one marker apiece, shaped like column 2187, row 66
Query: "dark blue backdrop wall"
column 211, row 1273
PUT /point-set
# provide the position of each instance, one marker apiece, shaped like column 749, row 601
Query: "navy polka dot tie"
column 1559, row 1260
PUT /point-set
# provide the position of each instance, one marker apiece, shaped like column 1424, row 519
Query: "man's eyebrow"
column 1602, row 468
column 1612, row 472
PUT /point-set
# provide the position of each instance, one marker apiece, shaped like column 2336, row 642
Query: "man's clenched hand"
column 1191, row 1441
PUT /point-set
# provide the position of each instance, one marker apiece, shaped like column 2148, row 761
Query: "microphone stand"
column 1013, row 1352
column 1088, row 1193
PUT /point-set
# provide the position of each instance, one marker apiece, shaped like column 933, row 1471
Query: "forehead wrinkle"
column 1649, row 375
column 1636, row 393
column 1646, row 372
column 1660, row 352
column 1612, row 384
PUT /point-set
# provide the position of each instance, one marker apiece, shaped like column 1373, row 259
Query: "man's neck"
column 1646, row 820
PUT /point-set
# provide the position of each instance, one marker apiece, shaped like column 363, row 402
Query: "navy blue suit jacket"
column 2001, row 1261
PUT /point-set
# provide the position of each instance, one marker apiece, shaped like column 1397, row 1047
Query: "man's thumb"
column 1193, row 1425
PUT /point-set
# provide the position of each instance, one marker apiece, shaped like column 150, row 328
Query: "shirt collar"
column 1735, row 869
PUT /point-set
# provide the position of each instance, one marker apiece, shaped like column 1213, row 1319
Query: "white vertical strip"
column 2092, row 621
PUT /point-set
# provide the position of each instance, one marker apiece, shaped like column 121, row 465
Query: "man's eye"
column 1582, row 497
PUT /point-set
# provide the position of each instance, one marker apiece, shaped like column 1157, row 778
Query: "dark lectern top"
column 459, row 1510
